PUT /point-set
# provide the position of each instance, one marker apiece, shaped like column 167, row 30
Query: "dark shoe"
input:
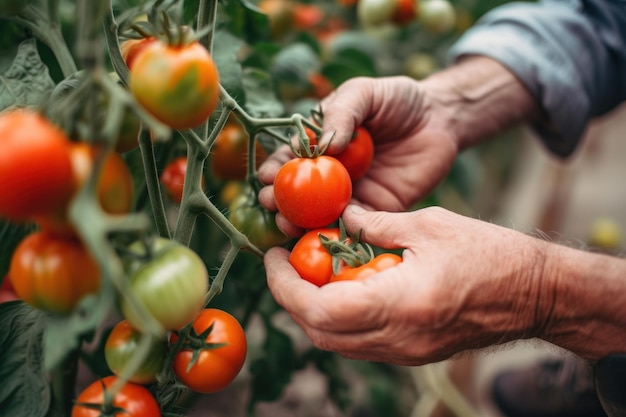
column 553, row 388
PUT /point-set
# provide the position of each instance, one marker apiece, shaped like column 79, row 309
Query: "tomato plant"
column 132, row 400
column 179, row 85
column 53, row 273
column 229, row 154
column 121, row 345
column 35, row 167
column 256, row 222
column 312, row 192
column 311, row 259
column 170, row 284
column 377, row 264
column 223, row 351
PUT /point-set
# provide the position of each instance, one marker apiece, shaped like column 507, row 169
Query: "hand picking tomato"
column 379, row 263
column 171, row 285
column 132, row 400
column 229, row 154
column 312, row 192
column 310, row 259
column 216, row 366
column 179, row 85
column 53, row 273
column 256, row 222
column 36, row 175
column 120, row 347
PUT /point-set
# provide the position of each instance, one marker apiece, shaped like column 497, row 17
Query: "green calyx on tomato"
column 168, row 279
column 212, row 353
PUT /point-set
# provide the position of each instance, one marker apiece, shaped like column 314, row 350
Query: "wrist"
column 480, row 98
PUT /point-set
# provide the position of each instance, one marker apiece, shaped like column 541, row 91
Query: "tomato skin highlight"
column 135, row 399
column 179, row 85
column 378, row 264
column 312, row 192
column 310, row 259
column 53, row 273
column 171, row 286
column 35, row 168
column 216, row 368
column 120, row 347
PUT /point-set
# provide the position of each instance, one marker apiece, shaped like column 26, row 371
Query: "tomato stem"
column 152, row 183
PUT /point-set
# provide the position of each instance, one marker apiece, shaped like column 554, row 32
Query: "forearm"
column 480, row 98
column 588, row 306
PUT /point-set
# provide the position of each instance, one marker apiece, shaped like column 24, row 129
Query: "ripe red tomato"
column 171, row 285
column 307, row 16
column 35, row 167
column 115, row 187
column 310, row 259
column 7, row 293
column 131, row 48
column 120, row 347
column 312, row 192
column 173, row 178
column 215, row 368
column 405, row 13
column 53, row 273
column 256, row 222
column 179, row 85
column 229, row 154
column 135, row 400
column 379, row 263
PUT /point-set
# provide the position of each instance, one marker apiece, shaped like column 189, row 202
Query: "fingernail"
column 356, row 209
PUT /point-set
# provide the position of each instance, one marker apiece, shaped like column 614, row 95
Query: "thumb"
column 380, row 228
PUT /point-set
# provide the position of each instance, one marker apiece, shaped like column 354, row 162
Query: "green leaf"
column 261, row 100
column 27, row 80
column 24, row 390
column 10, row 236
column 246, row 21
column 225, row 53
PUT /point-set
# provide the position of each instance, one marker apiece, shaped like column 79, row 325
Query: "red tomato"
column 7, row 293
column 379, row 263
column 307, row 16
column 135, row 400
column 312, row 192
column 215, row 368
column 179, row 85
column 173, row 178
column 406, row 12
column 312, row 261
column 229, row 154
column 121, row 346
column 115, row 187
column 131, row 48
column 53, row 273
column 35, row 167
column 320, row 85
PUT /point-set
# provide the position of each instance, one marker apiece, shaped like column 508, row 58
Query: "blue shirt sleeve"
column 571, row 55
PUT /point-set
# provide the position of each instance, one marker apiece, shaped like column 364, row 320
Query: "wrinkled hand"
column 413, row 148
column 463, row 284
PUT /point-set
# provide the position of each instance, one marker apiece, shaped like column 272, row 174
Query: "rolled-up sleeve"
column 570, row 54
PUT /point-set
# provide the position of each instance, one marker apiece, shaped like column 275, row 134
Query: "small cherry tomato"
column 53, row 273
column 216, row 367
column 406, row 12
column 312, row 192
column 256, row 222
column 179, row 85
column 135, row 401
column 120, row 347
column 378, row 264
column 36, row 175
column 310, row 259
column 173, row 178
column 229, row 154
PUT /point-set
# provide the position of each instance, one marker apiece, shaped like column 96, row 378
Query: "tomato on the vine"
column 437, row 16
column 132, row 400
column 229, row 154
column 7, row 293
column 312, row 192
column 131, row 48
column 216, row 366
column 122, row 344
column 35, row 167
column 53, row 273
column 405, row 13
column 179, row 85
column 310, row 259
column 173, row 178
column 256, row 222
column 377, row 264
column 170, row 283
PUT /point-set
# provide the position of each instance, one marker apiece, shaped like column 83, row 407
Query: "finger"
column 379, row 228
column 287, row 227
column 268, row 169
column 266, row 198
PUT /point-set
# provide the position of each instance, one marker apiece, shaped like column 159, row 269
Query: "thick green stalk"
column 153, row 184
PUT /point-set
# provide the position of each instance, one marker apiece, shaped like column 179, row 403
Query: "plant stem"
column 207, row 15
column 152, row 183
column 63, row 381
